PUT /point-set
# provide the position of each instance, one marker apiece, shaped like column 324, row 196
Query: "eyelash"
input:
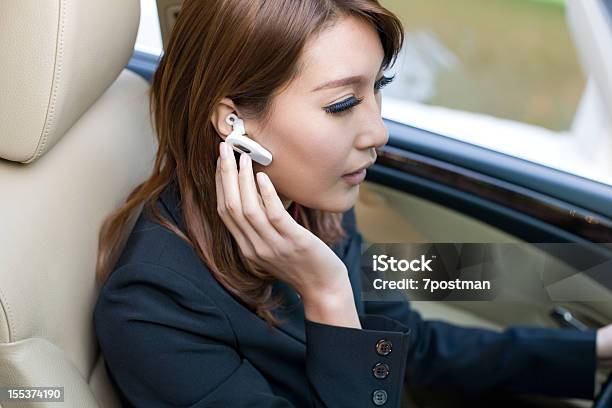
column 348, row 104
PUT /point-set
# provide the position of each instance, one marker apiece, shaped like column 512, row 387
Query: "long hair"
column 246, row 50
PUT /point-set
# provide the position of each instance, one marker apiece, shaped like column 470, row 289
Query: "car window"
column 149, row 35
column 508, row 75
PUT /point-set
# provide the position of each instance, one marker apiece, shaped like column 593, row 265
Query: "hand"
column 269, row 237
column 604, row 346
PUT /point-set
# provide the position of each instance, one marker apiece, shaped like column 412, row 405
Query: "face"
column 311, row 148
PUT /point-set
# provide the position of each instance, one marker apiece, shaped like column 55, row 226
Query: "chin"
column 338, row 202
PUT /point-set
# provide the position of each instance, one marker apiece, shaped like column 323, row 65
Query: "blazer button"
column 379, row 397
column 381, row 370
column 383, row 347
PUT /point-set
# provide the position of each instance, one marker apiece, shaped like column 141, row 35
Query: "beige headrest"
column 56, row 58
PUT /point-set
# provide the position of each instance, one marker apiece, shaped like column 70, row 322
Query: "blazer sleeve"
column 166, row 344
column 521, row 359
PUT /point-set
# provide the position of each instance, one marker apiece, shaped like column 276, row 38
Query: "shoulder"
column 148, row 239
column 145, row 319
column 145, row 298
column 158, row 276
column 150, row 245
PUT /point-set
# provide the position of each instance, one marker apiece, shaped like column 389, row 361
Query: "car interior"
column 75, row 139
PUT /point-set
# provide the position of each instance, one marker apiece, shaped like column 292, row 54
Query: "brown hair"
column 246, row 51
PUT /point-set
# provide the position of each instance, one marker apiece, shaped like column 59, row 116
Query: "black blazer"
column 171, row 336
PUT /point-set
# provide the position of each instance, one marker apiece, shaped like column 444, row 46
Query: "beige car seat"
column 75, row 139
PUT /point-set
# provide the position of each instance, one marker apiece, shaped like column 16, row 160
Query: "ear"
column 220, row 112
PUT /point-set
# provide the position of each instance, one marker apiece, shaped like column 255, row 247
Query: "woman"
column 238, row 285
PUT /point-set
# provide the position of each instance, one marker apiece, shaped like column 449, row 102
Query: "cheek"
column 324, row 151
column 308, row 159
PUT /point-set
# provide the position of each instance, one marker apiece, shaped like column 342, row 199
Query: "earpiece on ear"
column 241, row 143
column 235, row 121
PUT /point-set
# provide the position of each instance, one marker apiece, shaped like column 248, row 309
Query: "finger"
column 252, row 205
column 229, row 181
column 243, row 243
column 275, row 210
column 233, row 201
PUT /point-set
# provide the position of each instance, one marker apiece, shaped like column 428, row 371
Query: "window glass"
column 510, row 75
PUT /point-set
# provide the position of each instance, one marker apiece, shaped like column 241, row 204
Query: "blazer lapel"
column 291, row 314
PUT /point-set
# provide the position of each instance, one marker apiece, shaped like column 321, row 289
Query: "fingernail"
column 243, row 159
column 263, row 179
column 222, row 150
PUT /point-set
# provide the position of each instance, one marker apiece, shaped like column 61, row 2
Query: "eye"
column 383, row 81
column 348, row 104
column 343, row 106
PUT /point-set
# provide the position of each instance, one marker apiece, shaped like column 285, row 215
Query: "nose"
column 373, row 132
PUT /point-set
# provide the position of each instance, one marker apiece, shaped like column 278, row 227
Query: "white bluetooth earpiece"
column 238, row 140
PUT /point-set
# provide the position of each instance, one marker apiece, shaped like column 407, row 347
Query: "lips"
column 355, row 178
column 358, row 170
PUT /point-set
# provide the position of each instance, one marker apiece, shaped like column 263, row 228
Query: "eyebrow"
column 336, row 83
